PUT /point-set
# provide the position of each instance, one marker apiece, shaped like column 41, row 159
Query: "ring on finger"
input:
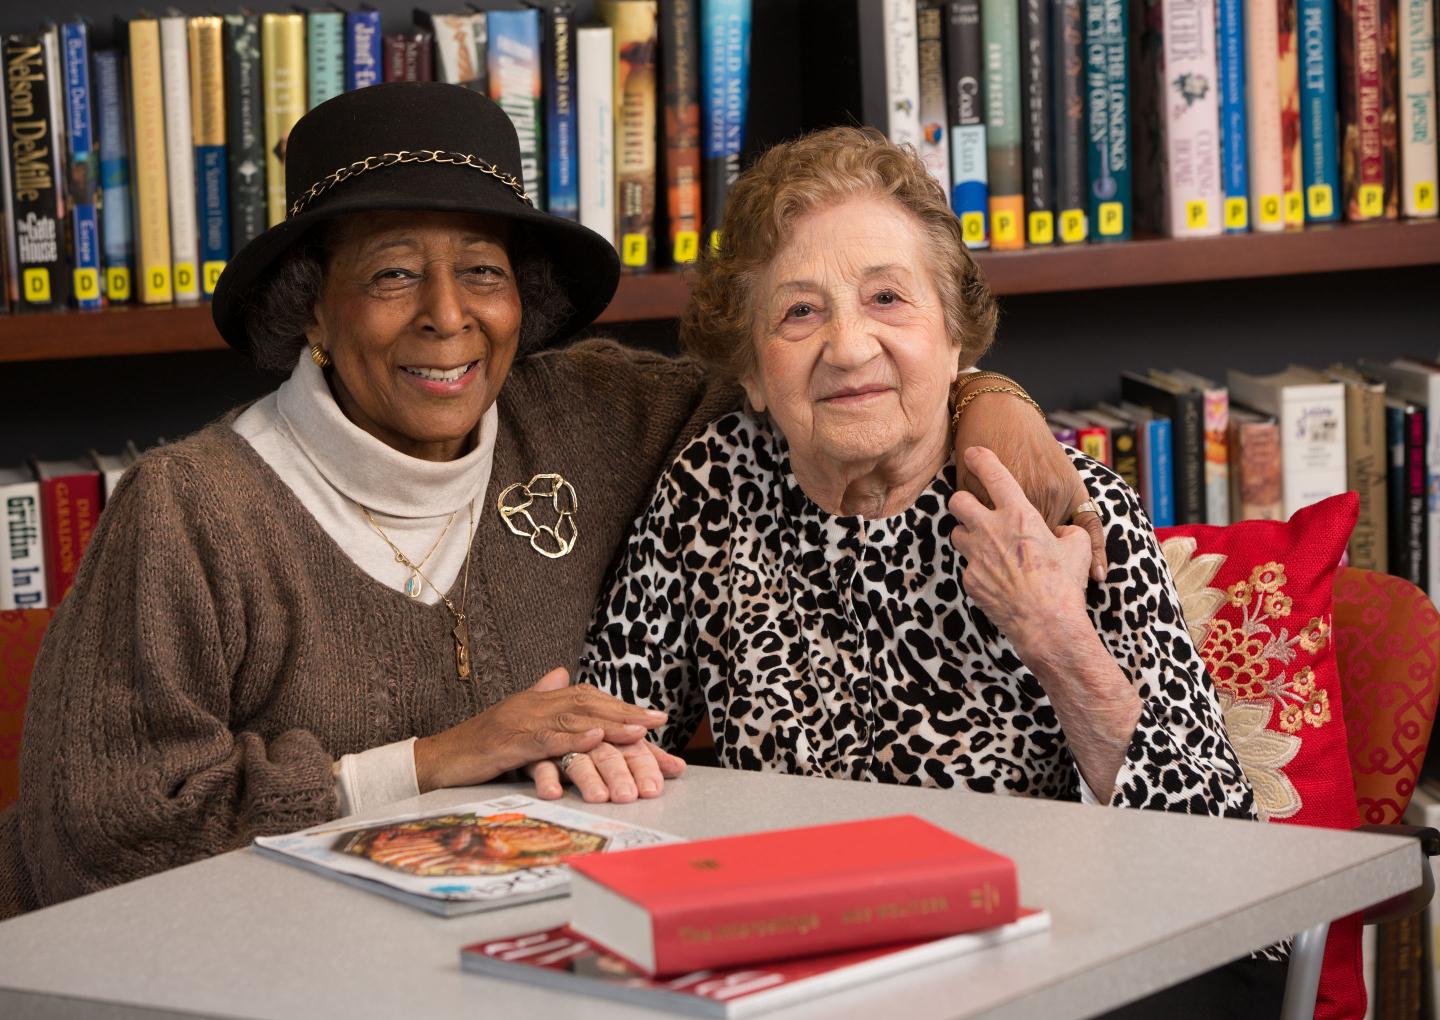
column 1087, row 507
column 568, row 759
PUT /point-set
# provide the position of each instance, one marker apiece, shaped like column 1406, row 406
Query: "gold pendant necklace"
column 414, row 584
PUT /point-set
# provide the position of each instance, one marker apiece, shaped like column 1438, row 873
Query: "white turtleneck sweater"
column 335, row 468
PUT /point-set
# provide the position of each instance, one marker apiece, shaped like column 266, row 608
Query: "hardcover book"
column 1216, row 404
column 22, row 554
column 1416, row 115
column 1107, row 112
column 1067, row 62
column 563, row 960
column 1366, row 457
column 902, row 73
column 244, row 128
column 207, row 110
column 724, row 102
column 1319, row 110
column 1405, row 432
column 282, row 53
column 483, row 855
column 325, row 55
column 1367, row 165
column 634, row 25
column 557, row 64
column 934, row 145
column 34, row 141
column 84, row 166
column 1090, row 439
column 152, row 183
column 1152, row 444
column 1124, row 448
column 970, row 190
column 1255, row 468
column 1184, row 406
column 1035, row 118
column 180, row 158
column 1289, row 76
column 767, row 896
column 595, row 128
column 362, row 48
column 1234, row 149
column 1312, row 431
column 680, row 50
column 1000, row 31
column 70, row 509
column 460, row 58
column 1262, row 94
column 117, row 237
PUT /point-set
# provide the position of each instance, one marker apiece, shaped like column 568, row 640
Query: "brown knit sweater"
column 219, row 651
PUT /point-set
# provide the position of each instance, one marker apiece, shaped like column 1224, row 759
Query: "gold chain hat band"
column 361, row 166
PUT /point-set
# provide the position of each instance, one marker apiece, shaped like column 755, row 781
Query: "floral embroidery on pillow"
column 1250, row 661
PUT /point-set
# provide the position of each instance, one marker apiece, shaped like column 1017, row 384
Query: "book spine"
column 1262, row 93
column 1124, row 452
column 1188, row 453
column 1320, row 143
column 934, row 143
column 902, row 73
column 420, row 55
column 37, row 216
column 480, row 29
column 595, row 51
column 152, row 185
column 1417, row 108
column 392, row 50
column 59, row 161
column 1365, row 457
column 968, row 897
column 362, row 46
column 22, row 555
column 70, row 508
column 461, row 62
column 1107, row 89
column 1362, row 159
column 970, row 191
column 1290, row 148
column 562, row 193
column 1000, row 30
column 1395, row 487
column 1067, row 61
column 84, row 167
column 325, row 53
column 244, row 128
column 1094, row 442
column 180, row 158
column 680, row 48
column 724, row 98
column 1065, row 434
column 514, row 65
column 11, row 295
column 1189, row 111
column 1390, row 105
column 1230, row 72
column 1416, row 537
column 282, row 59
column 1312, row 448
column 1217, row 456
column 1035, row 117
column 1257, row 461
column 1162, row 472
column 635, row 36
column 207, row 126
column 117, row 233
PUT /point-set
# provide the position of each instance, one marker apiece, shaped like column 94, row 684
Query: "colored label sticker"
column 1271, row 210
column 1112, row 219
column 972, row 227
column 687, row 246
column 87, row 285
column 1425, row 196
column 117, row 284
column 1294, row 208
column 1321, row 200
column 157, row 283
column 1042, row 227
column 184, row 277
column 36, row 284
column 210, row 274
column 1372, row 200
column 1237, row 213
column 1007, row 227
column 1072, row 226
column 1197, row 214
column 714, row 240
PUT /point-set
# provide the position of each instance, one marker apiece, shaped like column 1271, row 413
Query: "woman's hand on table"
column 545, row 722
column 1020, row 439
column 609, row 772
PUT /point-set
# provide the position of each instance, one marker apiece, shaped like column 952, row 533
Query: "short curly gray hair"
column 282, row 307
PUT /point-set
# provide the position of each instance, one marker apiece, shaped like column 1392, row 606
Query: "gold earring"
column 319, row 356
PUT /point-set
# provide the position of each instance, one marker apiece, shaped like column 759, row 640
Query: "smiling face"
column 421, row 316
column 852, row 360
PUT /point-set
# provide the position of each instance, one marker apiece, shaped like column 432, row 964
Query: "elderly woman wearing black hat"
column 346, row 593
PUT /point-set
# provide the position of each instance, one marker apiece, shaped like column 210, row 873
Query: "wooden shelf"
column 57, row 335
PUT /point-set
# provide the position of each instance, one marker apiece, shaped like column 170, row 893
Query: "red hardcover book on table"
column 768, row 896
column 70, row 508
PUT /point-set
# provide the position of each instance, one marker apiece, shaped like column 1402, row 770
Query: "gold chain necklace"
column 413, row 583
column 461, row 633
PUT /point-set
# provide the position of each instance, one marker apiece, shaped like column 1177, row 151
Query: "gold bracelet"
column 965, row 401
column 965, row 380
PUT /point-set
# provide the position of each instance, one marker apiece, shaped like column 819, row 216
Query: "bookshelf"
column 662, row 296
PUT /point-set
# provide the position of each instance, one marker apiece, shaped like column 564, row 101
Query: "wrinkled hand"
column 1024, row 444
column 549, row 720
column 608, row 772
column 1028, row 579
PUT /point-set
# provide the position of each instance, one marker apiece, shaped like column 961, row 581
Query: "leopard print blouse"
column 841, row 647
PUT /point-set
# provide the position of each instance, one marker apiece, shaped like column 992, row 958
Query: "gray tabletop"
column 1139, row 900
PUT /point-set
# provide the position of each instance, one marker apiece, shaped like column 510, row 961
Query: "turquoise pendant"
column 413, row 586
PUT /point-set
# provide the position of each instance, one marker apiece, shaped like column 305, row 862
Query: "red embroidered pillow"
column 1257, row 598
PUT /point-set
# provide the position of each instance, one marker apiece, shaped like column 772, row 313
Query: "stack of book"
column 1200, row 451
column 1064, row 121
column 132, row 171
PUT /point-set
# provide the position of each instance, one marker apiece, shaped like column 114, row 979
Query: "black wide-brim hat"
column 425, row 146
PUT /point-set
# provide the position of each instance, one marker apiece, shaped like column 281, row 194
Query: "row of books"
column 1199, row 451
column 1062, row 121
column 134, row 171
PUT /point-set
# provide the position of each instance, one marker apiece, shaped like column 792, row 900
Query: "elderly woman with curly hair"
column 372, row 582
column 794, row 581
